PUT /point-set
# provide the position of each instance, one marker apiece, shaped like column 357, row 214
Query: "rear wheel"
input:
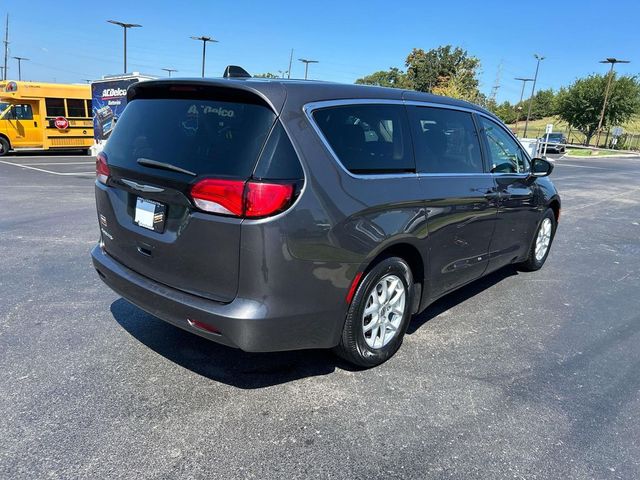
column 4, row 146
column 378, row 315
column 541, row 245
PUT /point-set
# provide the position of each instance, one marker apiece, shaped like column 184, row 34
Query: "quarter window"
column 55, row 107
column 75, row 108
column 505, row 154
column 445, row 141
column 368, row 139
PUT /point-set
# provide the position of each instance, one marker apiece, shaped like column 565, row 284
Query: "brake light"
column 240, row 198
column 102, row 169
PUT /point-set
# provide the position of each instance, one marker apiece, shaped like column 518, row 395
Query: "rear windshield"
column 202, row 136
column 555, row 136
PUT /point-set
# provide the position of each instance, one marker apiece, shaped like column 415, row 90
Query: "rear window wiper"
column 147, row 162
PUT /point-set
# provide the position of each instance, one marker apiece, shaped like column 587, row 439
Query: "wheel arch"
column 410, row 254
column 554, row 205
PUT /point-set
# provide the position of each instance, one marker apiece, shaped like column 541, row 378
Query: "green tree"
column 581, row 103
column 543, row 104
column 445, row 67
column 506, row 112
column 394, row 77
column 266, row 75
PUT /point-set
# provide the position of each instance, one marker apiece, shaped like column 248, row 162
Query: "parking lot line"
column 39, row 164
column 580, row 166
column 28, row 167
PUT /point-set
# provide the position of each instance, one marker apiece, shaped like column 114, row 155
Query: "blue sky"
column 71, row 41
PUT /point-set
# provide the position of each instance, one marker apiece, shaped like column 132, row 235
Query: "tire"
column 358, row 344
column 4, row 146
column 535, row 258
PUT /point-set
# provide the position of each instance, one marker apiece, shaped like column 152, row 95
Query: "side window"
column 75, row 107
column 24, row 112
column 505, row 155
column 89, row 110
column 20, row 112
column 445, row 141
column 55, row 107
column 278, row 160
column 368, row 138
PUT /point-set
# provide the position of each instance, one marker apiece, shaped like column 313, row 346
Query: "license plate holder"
column 150, row 215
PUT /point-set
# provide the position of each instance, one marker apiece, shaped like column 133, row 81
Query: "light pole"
column 533, row 89
column 524, row 82
column 20, row 59
column 612, row 61
column 125, row 27
column 204, row 41
column 169, row 70
column 306, row 65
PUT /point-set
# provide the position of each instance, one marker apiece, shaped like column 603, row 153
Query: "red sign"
column 61, row 123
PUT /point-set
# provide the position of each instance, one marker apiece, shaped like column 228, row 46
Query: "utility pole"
column 169, row 70
column 204, row 41
column 496, row 83
column 20, row 59
column 524, row 82
column 125, row 27
column 306, row 65
column 612, row 61
column 533, row 89
column 290, row 62
column 6, row 49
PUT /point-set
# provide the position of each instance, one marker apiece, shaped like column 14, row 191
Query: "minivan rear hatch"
column 166, row 140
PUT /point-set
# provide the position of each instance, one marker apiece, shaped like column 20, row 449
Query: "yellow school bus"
column 44, row 116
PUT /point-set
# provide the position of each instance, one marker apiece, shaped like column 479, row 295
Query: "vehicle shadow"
column 459, row 296
column 258, row 370
column 218, row 362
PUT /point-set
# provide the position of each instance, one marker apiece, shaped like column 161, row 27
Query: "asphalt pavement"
column 518, row 375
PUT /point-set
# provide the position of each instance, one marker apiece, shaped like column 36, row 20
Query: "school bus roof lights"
column 11, row 87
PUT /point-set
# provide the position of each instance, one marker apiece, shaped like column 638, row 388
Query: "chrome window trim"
column 310, row 107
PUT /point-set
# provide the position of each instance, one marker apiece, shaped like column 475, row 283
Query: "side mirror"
column 541, row 167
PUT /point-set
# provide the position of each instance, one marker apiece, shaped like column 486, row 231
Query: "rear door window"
column 203, row 136
column 368, row 139
column 446, row 141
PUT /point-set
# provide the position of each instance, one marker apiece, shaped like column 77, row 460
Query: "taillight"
column 219, row 196
column 102, row 169
column 264, row 199
column 241, row 199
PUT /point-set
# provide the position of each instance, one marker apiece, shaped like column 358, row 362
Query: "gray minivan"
column 277, row 215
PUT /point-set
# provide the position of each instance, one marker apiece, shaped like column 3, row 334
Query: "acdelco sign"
column 113, row 92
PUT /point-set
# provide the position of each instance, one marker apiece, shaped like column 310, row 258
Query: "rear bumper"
column 242, row 323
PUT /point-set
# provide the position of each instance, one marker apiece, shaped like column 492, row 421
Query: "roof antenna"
column 234, row 71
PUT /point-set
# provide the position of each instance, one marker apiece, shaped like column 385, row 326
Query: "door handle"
column 35, row 124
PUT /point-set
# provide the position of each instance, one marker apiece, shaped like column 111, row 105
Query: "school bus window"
column 75, row 108
column 55, row 107
column 89, row 111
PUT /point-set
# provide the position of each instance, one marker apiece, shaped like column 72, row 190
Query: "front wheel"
column 4, row 147
column 378, row 315
column 541, row 245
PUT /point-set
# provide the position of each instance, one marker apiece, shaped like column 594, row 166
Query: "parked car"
column 557, row 143
column 280, row 215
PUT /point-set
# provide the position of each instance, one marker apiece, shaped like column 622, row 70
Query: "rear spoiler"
column 270, row 94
